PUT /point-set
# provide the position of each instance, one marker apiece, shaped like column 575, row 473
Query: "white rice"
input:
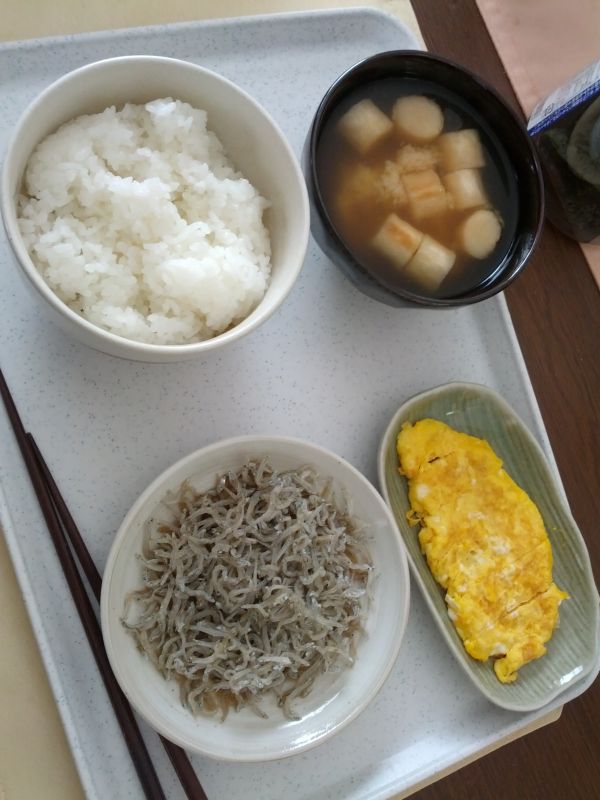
column 139, row 222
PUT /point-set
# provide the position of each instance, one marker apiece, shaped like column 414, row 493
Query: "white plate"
column 337, row 697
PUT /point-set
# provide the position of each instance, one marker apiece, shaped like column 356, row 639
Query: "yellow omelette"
column 485, row 544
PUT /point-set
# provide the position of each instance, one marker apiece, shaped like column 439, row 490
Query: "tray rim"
column 529, row 720
column 216, row 22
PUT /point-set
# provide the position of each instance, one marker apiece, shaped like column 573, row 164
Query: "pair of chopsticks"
column 65, row 535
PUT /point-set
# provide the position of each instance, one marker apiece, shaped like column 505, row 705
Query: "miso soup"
column 418, row 187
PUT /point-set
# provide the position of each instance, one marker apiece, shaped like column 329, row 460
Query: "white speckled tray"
column 331, row 366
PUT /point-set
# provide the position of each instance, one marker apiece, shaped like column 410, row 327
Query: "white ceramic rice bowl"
column 336, row 698
column 251, row 139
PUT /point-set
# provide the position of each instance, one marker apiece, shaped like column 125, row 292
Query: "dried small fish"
column 258, row 585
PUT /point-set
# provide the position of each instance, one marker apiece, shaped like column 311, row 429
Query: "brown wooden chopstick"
column 179, row 760
column 90, row 570
column 133, row 738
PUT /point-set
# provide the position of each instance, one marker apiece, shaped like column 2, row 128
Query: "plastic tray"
column 331, row 366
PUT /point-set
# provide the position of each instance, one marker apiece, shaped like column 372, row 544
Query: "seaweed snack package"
column 566, row 130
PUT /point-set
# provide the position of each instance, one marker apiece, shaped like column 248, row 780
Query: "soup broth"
column 384, row 185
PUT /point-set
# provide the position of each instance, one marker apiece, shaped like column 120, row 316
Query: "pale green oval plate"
column 573, row 651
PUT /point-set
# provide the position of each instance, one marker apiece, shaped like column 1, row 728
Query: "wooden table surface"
column 555, row 307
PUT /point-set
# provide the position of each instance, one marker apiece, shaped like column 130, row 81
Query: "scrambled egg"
column 485, row 544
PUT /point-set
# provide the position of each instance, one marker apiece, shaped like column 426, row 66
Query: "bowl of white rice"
column 154, row 208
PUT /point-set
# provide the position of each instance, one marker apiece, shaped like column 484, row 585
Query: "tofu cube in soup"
column 358, row 188
column 417, row 118
column 391, row 188
column 415, row 158
column 364, row 187
column 426, row 194
column 461, row 150
column 466, row 189
column 364, row 125
column 480, row 233
column 397, row 240
column 430, row 264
